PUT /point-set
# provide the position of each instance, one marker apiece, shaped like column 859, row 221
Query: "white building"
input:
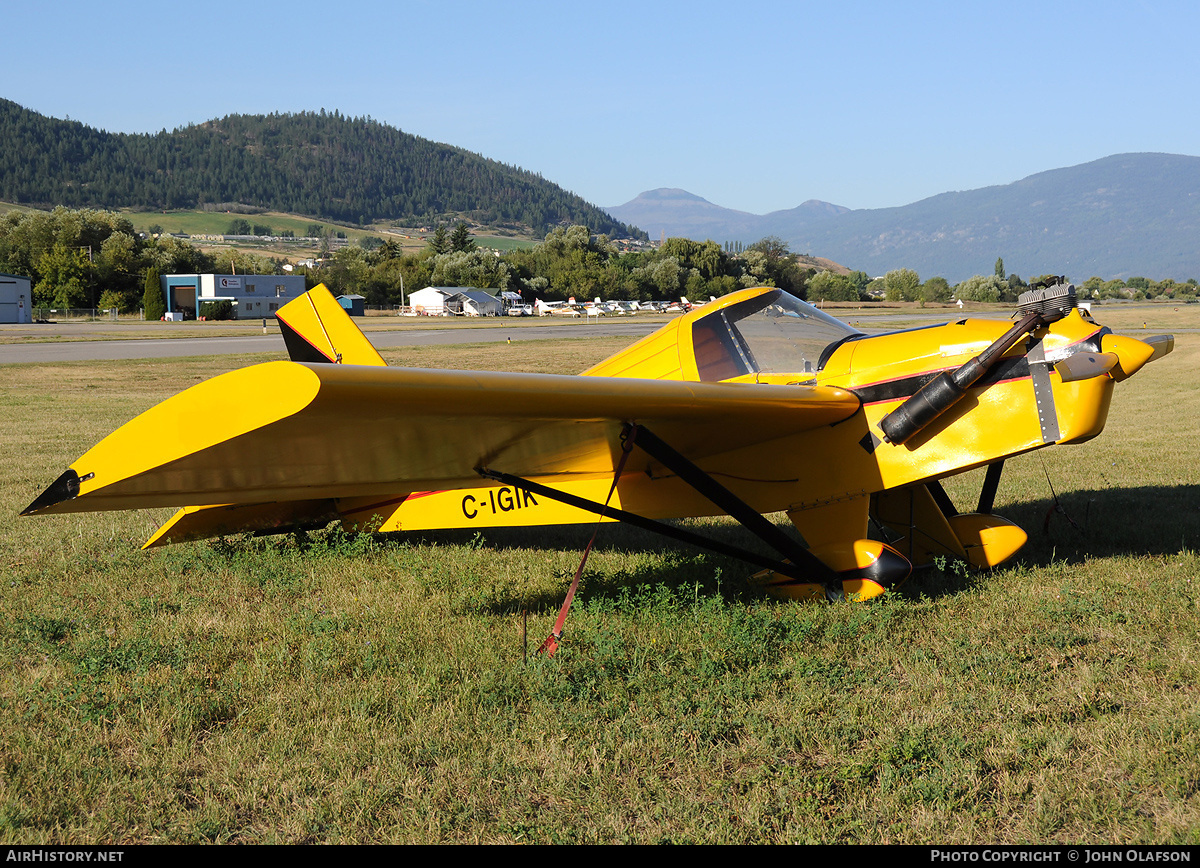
column 454, row 301
column 431, row 301
column 475, row 302
column 16, row 299
column 253, row 295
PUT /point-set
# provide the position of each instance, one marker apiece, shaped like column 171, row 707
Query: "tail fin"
column 316, row 329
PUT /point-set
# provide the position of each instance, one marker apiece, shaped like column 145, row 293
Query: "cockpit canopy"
column 771, row 333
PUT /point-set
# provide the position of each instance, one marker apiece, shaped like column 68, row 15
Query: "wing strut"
column 801, row 564
column 991, row 481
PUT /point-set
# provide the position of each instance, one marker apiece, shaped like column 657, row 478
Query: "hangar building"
column 455, row 301
column 253, row 295
column 16, row 299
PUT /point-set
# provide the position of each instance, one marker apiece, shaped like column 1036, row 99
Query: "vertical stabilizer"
column 316, row 329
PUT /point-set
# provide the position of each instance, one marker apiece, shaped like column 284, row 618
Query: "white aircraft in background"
column 556, row 308
column 622, row 308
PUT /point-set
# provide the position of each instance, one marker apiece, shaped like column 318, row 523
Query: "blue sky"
column 757, row 106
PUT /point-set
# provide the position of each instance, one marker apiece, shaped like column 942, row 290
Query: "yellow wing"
column 287, row 431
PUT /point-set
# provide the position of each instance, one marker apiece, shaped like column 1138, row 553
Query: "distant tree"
column 460, row 239
column 153, row 303
column 666, row 277
column 172, row 256
column 66, row 278
column 901, row 284
column 1000, row 268
column 773, row 247
column 240, row 226
column 535, row 287
column 1113, row 289
column 261, row 229
column 118, row 268
column 346, row 271
column 826, row 286
column 981, row 288
column 860, row 279
column 478, row 268
column 111, row 299
column 772, row 262
column 936, row 289
column 1165, row 288
column 439, row 242
column 388, row 250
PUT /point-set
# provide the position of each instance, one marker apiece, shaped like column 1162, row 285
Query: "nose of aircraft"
column 1132, row 353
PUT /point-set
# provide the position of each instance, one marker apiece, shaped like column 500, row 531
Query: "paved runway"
column 77, row 351
column 401, row 336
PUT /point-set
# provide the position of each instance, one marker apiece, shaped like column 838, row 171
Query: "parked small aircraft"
column 557, row 308
column 753, row 404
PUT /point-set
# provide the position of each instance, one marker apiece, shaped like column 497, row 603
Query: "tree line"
column 80, row 258
column 86, row 258
column 571, row 261
column 904, row 284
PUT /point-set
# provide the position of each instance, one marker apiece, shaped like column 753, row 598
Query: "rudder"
column 317, row 329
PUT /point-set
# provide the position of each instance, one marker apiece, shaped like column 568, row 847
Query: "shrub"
column 217, row 309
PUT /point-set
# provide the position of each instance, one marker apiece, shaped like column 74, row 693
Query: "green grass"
column 498, row 242
column 347, row 689
column 217, row 223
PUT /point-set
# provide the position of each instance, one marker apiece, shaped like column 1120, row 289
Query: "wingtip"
column 66, row 487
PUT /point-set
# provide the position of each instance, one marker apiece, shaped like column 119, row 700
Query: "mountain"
column 354, row 170
column 671, row 212
column 1117, row 217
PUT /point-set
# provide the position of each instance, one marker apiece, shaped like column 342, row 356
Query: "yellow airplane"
column 755, row 403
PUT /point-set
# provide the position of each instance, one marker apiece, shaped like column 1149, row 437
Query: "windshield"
column 771, row 333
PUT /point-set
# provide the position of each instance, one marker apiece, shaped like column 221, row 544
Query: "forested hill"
column 354, row 170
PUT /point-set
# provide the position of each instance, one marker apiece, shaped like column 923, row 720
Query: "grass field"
column 342, row 689
column 217, row 223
